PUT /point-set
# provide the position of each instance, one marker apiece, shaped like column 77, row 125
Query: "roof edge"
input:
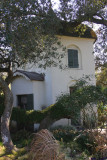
column 17, row 73
column 33, row 76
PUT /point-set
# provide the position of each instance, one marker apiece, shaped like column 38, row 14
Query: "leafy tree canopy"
column 27, row 27
column 84, row 10
column 30, row 26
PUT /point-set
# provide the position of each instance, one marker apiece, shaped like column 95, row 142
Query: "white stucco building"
column 37, row 89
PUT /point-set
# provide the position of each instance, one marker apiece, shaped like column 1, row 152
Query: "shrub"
column 67, row 106
column 22, row 138
column 22, row 134
column 102, row 114
column 84, row 142
column 65, row 133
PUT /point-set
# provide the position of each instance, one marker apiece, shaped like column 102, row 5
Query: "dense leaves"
column 27, row 33
column 28, row 28
column 66, row 107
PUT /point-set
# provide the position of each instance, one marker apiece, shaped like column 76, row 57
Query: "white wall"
column 58, row 81
column 21, row 86
column 63, row 79
column 39, row 94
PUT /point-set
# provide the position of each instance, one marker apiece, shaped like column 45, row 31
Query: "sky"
column 56, row 3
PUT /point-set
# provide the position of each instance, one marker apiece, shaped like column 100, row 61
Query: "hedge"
column 67, row 106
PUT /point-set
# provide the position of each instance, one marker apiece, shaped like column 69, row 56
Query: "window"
column 73, row 58
column 25, row 101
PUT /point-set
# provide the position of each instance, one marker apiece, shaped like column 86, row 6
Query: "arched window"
column 74, row 57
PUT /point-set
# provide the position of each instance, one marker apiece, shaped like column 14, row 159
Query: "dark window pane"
column 30, row 102
column 25, row 101
column 72, row 58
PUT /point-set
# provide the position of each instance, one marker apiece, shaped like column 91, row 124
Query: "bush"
column 22, row 138
column 84, row 142
column 67, row 106
column 102, row 115
column 65, row 133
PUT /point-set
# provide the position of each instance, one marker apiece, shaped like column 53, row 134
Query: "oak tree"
column 28, row 35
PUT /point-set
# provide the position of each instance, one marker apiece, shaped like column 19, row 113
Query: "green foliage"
column 67, row 106
column 102, row 77
column 71, row 142
column 102, row 114
column 85, row 10
column 28, row 32
column 28, row 29
column 26, row 117
column 66, row 134
column 85, row 142
column 20, row 154
column 75, row 140
column 22, row 138
column 22, row 134
column 90, row 121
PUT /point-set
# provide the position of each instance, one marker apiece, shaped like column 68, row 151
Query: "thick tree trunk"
column 5, row 118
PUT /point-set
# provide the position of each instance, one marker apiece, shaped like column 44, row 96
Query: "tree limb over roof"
column 74, row 30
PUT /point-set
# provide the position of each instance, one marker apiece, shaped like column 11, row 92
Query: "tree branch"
column 9, row 77
column 99, row 21
column 87, row 17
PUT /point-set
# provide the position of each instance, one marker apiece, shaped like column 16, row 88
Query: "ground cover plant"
column 82, row 144
column 73, row 142
column 66, row 150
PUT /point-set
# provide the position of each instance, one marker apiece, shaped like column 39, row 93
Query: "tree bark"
column 5, row 118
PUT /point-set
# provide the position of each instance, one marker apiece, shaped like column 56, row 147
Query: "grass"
column 21, row 140
column 20, row 154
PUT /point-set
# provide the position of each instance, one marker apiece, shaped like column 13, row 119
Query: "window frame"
column 74, row 47
column 75, row 58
